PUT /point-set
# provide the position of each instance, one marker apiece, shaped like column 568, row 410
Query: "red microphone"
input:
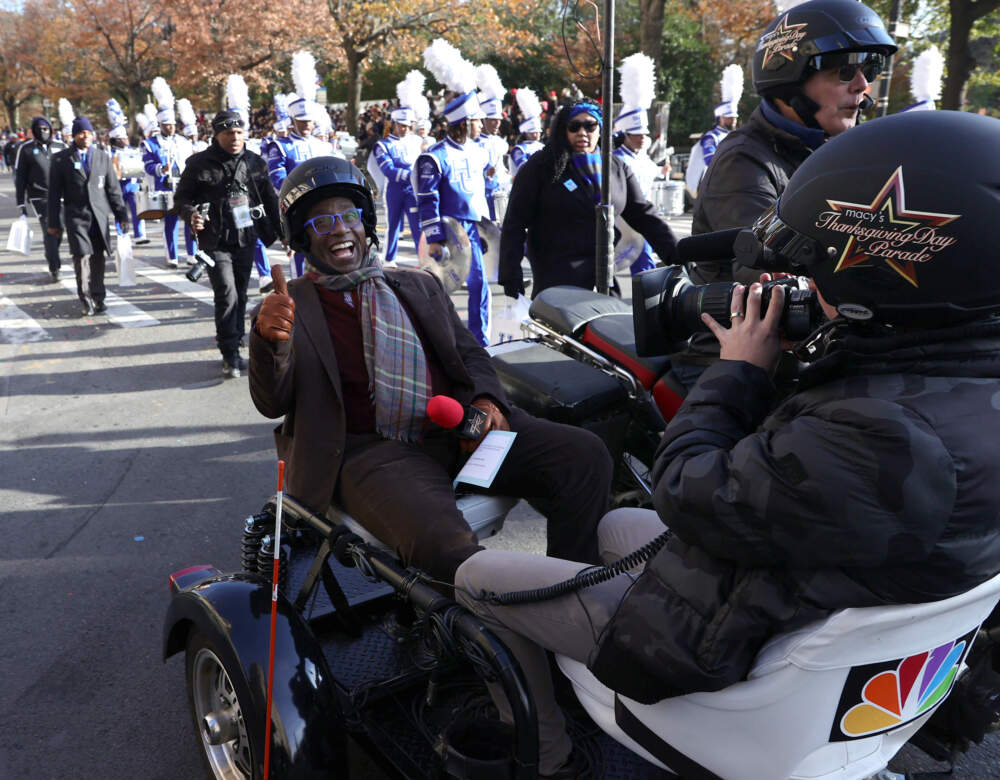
column 449, row 413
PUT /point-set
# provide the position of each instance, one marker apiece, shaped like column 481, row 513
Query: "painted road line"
column 16, row 327
column 175, row 280
column 120, row 312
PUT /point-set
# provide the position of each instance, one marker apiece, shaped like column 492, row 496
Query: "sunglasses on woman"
column 870, row 63
column 323, row 224
column 577, row 124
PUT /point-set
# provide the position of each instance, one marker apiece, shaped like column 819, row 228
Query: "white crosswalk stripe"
column 16, row 327
column 120, row 311
column 176, row 281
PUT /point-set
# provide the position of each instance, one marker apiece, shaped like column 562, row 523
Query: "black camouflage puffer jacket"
column 878, row 482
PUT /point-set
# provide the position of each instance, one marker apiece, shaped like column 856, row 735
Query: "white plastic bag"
column 506, row 325
column 126, row 262
column 19, row 238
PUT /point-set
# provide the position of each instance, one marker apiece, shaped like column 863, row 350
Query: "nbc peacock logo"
column 894, row 693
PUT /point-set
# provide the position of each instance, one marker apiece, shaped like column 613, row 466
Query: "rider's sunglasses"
column 323, row 224
column 228, row 124
column 870, row 63
column 577, row 124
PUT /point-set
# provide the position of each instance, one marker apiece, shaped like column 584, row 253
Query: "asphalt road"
column 124, row 456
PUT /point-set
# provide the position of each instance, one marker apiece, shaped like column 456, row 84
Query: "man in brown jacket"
column 350, row 353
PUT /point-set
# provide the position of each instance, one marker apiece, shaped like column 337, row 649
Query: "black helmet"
column 785, row 52
column 891, row 228
column 312, row 181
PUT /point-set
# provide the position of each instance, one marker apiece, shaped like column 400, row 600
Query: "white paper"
column 482, row 466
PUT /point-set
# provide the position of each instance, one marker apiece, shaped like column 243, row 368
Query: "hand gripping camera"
column 667, row 306
column 204, row 260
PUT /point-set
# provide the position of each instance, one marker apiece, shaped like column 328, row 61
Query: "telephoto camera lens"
column 196, row 271
column 667, row 308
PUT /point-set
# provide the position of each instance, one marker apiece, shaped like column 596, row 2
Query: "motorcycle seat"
column 834, row 700
column 484, row 514
column 614, row 337
column 566, row 309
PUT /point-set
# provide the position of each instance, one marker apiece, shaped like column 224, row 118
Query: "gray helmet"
column 313, row 180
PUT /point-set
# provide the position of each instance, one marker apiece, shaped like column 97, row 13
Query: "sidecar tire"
column 217, row 685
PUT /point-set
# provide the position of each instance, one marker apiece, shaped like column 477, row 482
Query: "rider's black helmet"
column 891, row 227
column 787, row 50
column 312, row 181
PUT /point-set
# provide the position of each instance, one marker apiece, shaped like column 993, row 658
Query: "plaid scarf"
column 397, row 367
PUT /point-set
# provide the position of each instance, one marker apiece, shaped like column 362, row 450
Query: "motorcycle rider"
column 812, row 68
column 873, row 484
column 31, row 181
column 351, row 352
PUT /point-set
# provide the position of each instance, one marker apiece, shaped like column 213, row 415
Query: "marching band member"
column 492, row 92
column 282, row 159
column 189, row 125
column 925, row 79
column 164, row 156
column 638, row 89
column 118, row 136
column 726, row 117
column 530, row 127
column 392, row 159
column 450, row 177
column 422, row 125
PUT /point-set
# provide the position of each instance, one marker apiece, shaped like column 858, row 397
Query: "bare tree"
column 960, row 62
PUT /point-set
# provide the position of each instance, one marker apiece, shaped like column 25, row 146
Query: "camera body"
column 203, row 260
column 667, row 306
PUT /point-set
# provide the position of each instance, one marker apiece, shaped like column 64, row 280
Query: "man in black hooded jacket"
column 232, row 182
column 31, row 184
column 874, row 483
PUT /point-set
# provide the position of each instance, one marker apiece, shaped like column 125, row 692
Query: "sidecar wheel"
column 218, row 693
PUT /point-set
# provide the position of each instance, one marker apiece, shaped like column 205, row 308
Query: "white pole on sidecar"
column 274, row 618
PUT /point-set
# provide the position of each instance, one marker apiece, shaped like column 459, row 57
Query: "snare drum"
column 659, row 196
column 131, row 164
column 500, row 205
column 674, row 198
column 153, row 205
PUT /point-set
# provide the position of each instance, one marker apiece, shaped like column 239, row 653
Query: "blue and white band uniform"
column 130, row 188
column 522, row 151
column 496, row 150
column 395, row 157
column 701, row 156
column 282, row 157
column 644, row 174
column 450, row 181
column 164, row 158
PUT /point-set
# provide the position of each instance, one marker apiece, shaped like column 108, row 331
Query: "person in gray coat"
column 82, row 180
column 874, row 483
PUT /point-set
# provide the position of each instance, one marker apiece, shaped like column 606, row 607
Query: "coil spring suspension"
column 255, row 529
column 265, row 562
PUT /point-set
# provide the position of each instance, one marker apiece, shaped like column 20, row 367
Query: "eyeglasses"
column 870, row 63
column 577, row 124
column 228, row 124
column 323, row 224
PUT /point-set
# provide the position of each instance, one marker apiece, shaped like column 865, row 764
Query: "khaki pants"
column 569, row 625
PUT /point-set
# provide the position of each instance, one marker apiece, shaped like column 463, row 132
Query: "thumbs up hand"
column 277, row 312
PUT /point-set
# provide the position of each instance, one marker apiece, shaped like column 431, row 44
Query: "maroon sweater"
column 343, row 319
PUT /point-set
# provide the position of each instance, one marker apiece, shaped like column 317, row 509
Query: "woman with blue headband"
column 551, row 211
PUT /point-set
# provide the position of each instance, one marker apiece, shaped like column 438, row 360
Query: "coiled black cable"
column 584, row 579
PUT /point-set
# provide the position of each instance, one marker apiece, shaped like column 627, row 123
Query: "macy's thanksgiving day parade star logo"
column 783, row 40
column 885, row 230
